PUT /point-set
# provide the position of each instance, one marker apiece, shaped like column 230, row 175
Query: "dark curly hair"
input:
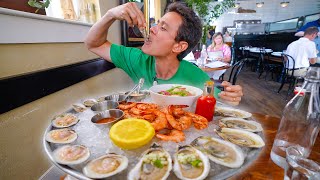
column 190, row 29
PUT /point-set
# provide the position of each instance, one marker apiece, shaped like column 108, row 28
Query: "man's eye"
column 163, row 29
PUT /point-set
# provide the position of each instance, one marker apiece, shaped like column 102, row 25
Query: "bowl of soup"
column 174, row 94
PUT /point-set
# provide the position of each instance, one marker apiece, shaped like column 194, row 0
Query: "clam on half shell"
column 64, row 120
column 71, row 155
column 220, row 151
column 105, row 166
column 90, row 102
column 79, row 107
column 155, row 163
column 61, row 136
column 231, row 112
column 241, row 137
column 239, row 123
column 190, row 163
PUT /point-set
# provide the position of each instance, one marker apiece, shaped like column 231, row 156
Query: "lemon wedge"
column 131, row 133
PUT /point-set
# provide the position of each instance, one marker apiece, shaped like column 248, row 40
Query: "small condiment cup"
column 116, row 97
column 105, row 105
column 107, row 117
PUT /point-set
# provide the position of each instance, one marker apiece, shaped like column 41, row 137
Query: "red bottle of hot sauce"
column 206, row 103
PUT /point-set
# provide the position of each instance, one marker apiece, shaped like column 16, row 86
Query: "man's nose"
column 154, row 29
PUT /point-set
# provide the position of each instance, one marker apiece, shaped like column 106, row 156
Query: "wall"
column 17, row 59
column 270, row 12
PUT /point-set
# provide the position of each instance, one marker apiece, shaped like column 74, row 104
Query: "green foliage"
column 39, row 4
column 208, row 13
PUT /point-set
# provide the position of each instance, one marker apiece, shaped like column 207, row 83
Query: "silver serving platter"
column 217, row 171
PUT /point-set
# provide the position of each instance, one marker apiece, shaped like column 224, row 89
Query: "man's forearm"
column 98, row 33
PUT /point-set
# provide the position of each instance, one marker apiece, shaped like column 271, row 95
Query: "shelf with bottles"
column 87, row 11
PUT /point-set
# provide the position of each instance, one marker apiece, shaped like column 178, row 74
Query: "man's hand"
column 232, row 93
column 130, row 13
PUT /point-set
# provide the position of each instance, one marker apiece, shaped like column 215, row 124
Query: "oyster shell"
column 61, row 136
column 105, row 166
column 241, row 137
column 71, row 155
column 239, row 123
column 155, row 163
column 231, row 112
column 90, row 102
column 79, row 107
column 220, row 151
column 190, row 163
column 64, row 120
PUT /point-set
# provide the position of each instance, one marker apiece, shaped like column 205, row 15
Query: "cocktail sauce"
column 206, row 103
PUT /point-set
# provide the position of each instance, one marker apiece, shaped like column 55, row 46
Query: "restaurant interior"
column 46, row 68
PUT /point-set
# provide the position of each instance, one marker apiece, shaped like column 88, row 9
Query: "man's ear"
column 180, row 46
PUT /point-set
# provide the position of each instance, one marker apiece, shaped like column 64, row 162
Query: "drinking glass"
column 300, row 166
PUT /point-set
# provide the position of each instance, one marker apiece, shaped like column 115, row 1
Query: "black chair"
column 288, row 74
column 266, row 65
column 248, row 60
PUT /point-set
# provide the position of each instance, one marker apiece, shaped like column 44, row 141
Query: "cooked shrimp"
column 127, row 105
column 176, row 110
column 174, row 135
column 200, row 122
column 145, row 106
column 182, row 123
column 137, row 111
column 161, row 121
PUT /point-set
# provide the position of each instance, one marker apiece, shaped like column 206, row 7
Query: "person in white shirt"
column 303, row 51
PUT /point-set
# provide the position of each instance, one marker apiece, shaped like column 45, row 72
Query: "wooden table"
column 263, row 167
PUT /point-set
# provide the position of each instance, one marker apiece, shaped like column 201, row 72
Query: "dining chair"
column 248, row 60
column 266, row 65
column 288, row 74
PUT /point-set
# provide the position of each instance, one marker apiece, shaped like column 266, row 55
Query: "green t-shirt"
column 139, row 65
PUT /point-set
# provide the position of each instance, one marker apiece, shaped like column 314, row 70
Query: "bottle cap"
column 299, row 90
column 210, row 83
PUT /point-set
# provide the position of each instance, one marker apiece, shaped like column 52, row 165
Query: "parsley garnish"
column 158, row 163
column 196, row 163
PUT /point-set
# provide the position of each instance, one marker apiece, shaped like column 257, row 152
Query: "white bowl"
column 164, row 100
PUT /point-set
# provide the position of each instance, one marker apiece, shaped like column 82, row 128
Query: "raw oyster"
column 220, row 151
column 61, row 136
column 64, row 120
column 190, row 163
column 79, row 107
column 155, row 163
column 71, row 155
column 241, row 137
column 231, row 112
column 105, row 166
column 239, row 123
column 90, row 102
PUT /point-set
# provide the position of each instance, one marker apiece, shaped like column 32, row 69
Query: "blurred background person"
column 219, row 45
column 303, row 52
column 227, row 38
column 210, row 33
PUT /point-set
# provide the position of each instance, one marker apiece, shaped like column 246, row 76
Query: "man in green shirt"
column 160, row 58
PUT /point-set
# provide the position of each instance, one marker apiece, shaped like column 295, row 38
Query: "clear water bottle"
column 300, row 120
column 203, row 56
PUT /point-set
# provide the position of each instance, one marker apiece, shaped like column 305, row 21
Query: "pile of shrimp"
column 173, row 118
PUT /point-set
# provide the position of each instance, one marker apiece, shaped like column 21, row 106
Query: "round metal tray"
column 217, row 171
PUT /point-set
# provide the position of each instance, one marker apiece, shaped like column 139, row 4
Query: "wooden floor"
column 260, row 96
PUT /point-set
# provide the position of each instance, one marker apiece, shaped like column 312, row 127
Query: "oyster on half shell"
column 220, row 151
column 241, row 137
column 231, row 112
column 79, row 107
column 64, row 120
column 105, row 166
column 90, row 102
column 71, row 155
column 190, row 163
column 61, row 136
column 239, row 123
column 155, row 163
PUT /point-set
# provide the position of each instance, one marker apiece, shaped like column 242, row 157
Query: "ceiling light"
column 259, row 4
column 284, row 4
column 236, row 5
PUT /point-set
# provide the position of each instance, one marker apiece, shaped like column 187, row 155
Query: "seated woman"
column 219, row 45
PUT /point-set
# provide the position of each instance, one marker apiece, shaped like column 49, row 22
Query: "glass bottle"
column 300, row 120
column 203, row 56
column 206, row 103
